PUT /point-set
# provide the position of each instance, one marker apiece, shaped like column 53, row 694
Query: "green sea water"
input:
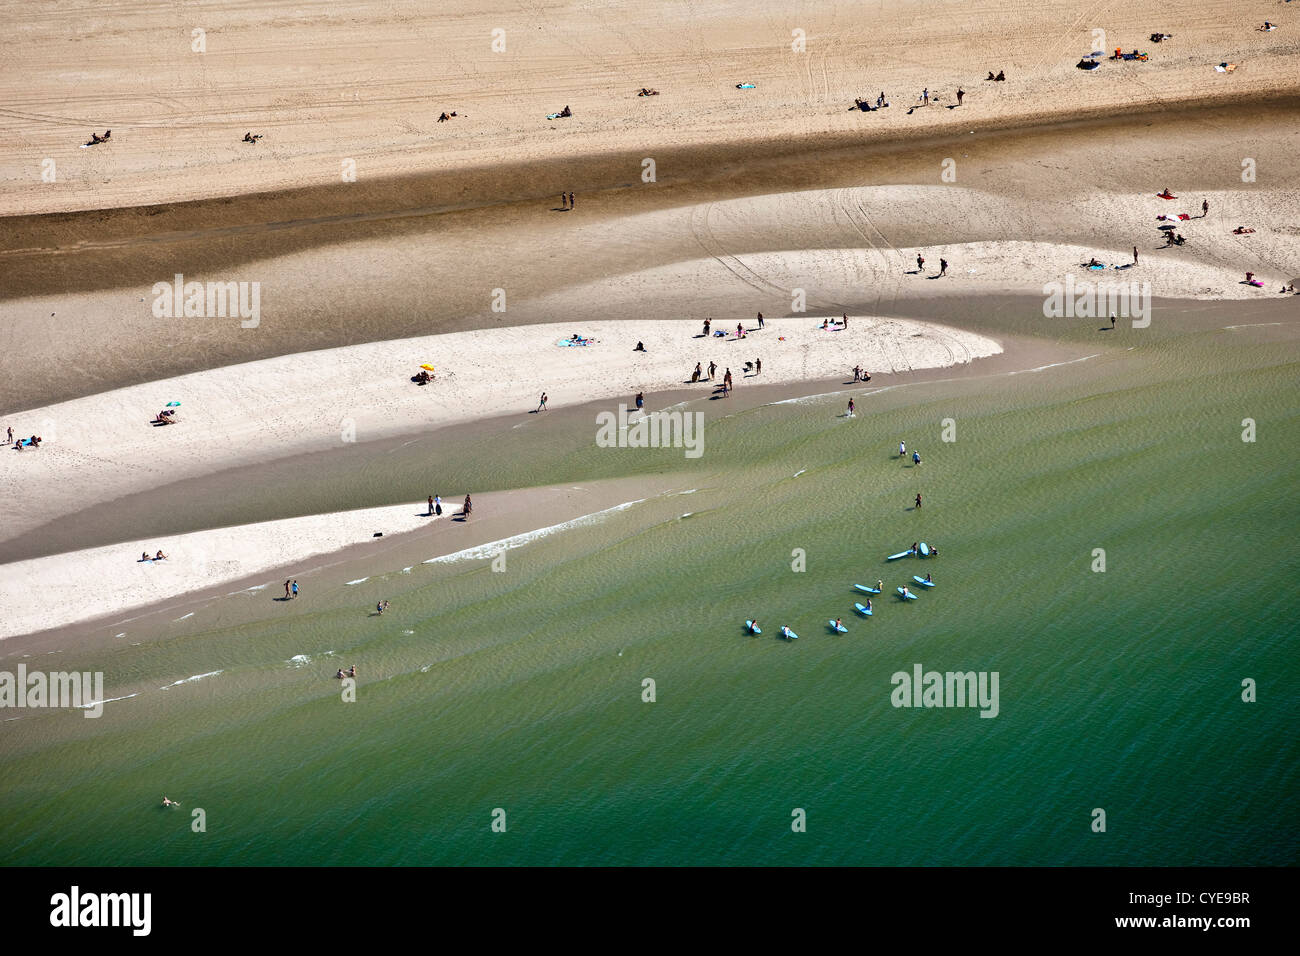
column 523, row 689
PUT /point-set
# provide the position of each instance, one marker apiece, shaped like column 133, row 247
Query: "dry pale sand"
column 103, row 447
column 381, row 238
column 113, row 583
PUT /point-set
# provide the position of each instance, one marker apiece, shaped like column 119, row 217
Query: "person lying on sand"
column 1241, row 231
column 160, row 556
column 252, row 138
column 647, row 92
column 166, row 417
column 446, row 116
column 96, row 139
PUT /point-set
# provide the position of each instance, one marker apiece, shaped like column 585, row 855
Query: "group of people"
column 567, row 201
column 166, row 417
column 349, row 673
column 157, row 557
column 33, row 442
column 920, row 265
column 290, row 589
column 860, row 374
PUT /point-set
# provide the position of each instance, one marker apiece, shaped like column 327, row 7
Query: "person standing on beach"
column 541, row 406
column 1112, row 320
column 707, row 323
column 430, row 504
column 1205, row 208
column 437, row 504
column 469, row 506
column 760, row 320
column 640, row 401
column 916, row 457
column 1135, row 255
column 695, row 376
column 11, row 434
column 925, row 96
column 943, row 267
column 857, row 373
column 572, row 204
column 902, row 449
column 918, row 501
column 564, row 201
column 851, row 408
column 712, row 369
column 845, row 320
column 920, row 263
column 295, row 588
column 726, row 379
column 960, row 94
column 758, row 366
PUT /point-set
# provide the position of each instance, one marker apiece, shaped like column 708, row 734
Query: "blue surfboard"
column 901, row 554
column 789, row 634
column 922, row 581
column 861, row 609
column 837, row 627
column 925, row 550
column 749, row 626
column 863, row 587
column 909, row 595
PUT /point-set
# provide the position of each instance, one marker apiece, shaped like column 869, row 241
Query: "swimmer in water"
column 170, row 803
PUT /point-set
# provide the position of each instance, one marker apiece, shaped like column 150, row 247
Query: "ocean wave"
column 190, row 680
column 493, row 548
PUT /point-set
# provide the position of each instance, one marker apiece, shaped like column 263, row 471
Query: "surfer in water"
column 915, row 547
column 880, row 586
column 927, row 579
column 838, row 625
column 906, row 593
column 851, row 408
column 170, row 803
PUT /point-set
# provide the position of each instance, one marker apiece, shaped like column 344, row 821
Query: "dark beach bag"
column 437, row 509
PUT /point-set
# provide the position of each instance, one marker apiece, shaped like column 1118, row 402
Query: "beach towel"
column 552, row 115
column 1096, row 267
column 746, row 86
column 1256, row 283
column 1165, row 196
column 1183, row 215
column 1226, row 67
column 573, row 343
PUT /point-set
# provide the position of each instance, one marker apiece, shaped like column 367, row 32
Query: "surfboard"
column 789, row 634
column 862, row 610
column 837, row 627
column 863, row 587
column 749, row 626
column 922, row 581
column 925, row 550
column 901, row 554
column 909, row 595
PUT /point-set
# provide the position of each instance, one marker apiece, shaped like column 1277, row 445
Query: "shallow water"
column 522, row 689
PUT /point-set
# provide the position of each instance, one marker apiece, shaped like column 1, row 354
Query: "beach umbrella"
column 429, row 367
column 172, row 405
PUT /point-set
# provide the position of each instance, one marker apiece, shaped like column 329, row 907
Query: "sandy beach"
column 380, row 239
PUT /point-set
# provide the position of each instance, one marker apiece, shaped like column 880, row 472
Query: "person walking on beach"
column 851, row 408
column 286, row 589
column 295, row 588
column 1112, row 320
column 11, row 434
column 712, row 369
column 960, row 94
column 925, row 96
column 469, row 506
column 916, row 457
column 943, row 267
column 1205, row 208
column 541, row 406
column 1135, row 255
column 758, row 366
column 726, row 379
column 920, row 263
column 902, row 449
column 640, row 401
column 918, row 501
column 760, row 320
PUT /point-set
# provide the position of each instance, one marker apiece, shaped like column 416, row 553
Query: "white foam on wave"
column 298, row 660
column 359, row 580
column 106, row 700
column 190, row 680
column 493, row 548
column 182, row 617
column 1054, row 364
